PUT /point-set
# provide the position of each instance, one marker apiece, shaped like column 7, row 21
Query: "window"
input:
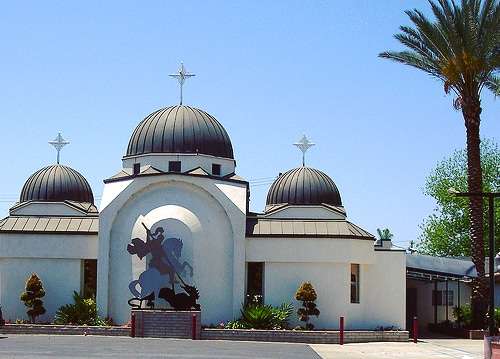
column 255, row 282
column 174, row 166
column 137, row 168
column 442, row 297
column 354, row 283
column 89, row 284
column 215, row 169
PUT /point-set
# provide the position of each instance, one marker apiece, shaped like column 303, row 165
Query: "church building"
column 179, row 184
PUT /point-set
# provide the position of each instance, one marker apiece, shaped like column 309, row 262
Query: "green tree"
column 31, row 297
column 446, row 231
column 460, row 47
column 307, row 295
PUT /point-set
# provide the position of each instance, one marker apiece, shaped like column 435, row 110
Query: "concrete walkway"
column 428, row 348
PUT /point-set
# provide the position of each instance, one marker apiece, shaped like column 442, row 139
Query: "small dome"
column 304, row 186
column 57, row 183
column 180, row 129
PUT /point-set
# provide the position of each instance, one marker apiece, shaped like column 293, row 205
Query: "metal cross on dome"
column 59, row 142
column 304, row 144
column 181, row 77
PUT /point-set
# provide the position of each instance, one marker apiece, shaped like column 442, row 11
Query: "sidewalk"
column 425, row 349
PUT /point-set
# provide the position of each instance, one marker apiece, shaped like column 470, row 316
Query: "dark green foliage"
column 307, row 295
column 460, row 47
column 446, row 231
column 385, row 234
column 258, row 316
column 82, row 312
column 463, row 315
column 31, row 297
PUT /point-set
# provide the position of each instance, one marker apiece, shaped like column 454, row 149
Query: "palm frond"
column 412, row 59
column 493, row 84
column 460, row 46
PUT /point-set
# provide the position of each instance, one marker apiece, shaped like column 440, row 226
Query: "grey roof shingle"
column 440, row 265
column 313, row 228
column 32, row 224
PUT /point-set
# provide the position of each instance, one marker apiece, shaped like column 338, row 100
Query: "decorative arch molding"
column 204, row 189
column 156, row 215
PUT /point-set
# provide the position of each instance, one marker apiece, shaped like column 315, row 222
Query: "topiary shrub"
column 307, row 295
column 31, row 297
column 82, row 312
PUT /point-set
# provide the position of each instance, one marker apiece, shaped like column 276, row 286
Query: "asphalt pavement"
column 79, row 347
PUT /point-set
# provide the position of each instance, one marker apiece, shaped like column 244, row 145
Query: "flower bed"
column 63, row 330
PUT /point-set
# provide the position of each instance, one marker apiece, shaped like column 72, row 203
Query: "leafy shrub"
column 235, row 324
column 31, row 297
column 307, row 295
column 82, row 312
column 463, row 314
column 258, row 316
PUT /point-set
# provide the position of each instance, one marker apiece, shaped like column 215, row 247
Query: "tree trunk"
column 471, row 111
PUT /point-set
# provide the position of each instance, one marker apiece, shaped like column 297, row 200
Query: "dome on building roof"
column 57, row 183
column 180, row 129
column 304, row 186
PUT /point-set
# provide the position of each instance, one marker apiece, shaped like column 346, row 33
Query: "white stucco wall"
column 55, row 258
column 309, row 250
column 188, row 162
column 208, row 217
column 54, row 246
column 60, row 277
column 46, row 209
column 312, row 212
column 326, row 264
column 384, row 284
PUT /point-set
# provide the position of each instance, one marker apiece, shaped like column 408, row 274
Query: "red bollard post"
column 415, row 329
column 132, row 326
column 194, row 326
column 341, row 334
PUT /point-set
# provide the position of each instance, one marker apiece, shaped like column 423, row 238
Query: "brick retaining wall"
column 63, row 330
column 183, row 329
column 312, row 337
column 166, row 324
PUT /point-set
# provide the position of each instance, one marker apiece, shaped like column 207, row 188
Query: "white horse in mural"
column 152, row 280
column 165, row 264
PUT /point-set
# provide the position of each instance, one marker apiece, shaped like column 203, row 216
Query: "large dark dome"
column 57, row 183
column 180, row 129
column 304, row 186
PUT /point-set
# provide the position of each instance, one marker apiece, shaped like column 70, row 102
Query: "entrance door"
column 411, row 307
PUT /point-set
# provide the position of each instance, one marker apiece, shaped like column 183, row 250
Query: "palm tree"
column 460, row 47
column 385, row 234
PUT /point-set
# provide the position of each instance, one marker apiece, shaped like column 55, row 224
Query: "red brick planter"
column 167, row 324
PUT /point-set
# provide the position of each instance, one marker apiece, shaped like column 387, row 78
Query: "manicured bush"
column 31, row 297
column 307, row 295
column 82, row 312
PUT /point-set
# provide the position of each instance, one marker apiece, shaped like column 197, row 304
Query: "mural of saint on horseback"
column 166, row 273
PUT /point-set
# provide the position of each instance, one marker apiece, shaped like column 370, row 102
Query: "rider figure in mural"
column 153, row 246
column 165, row 262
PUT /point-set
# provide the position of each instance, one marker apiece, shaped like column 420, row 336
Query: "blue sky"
column 268, row 71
